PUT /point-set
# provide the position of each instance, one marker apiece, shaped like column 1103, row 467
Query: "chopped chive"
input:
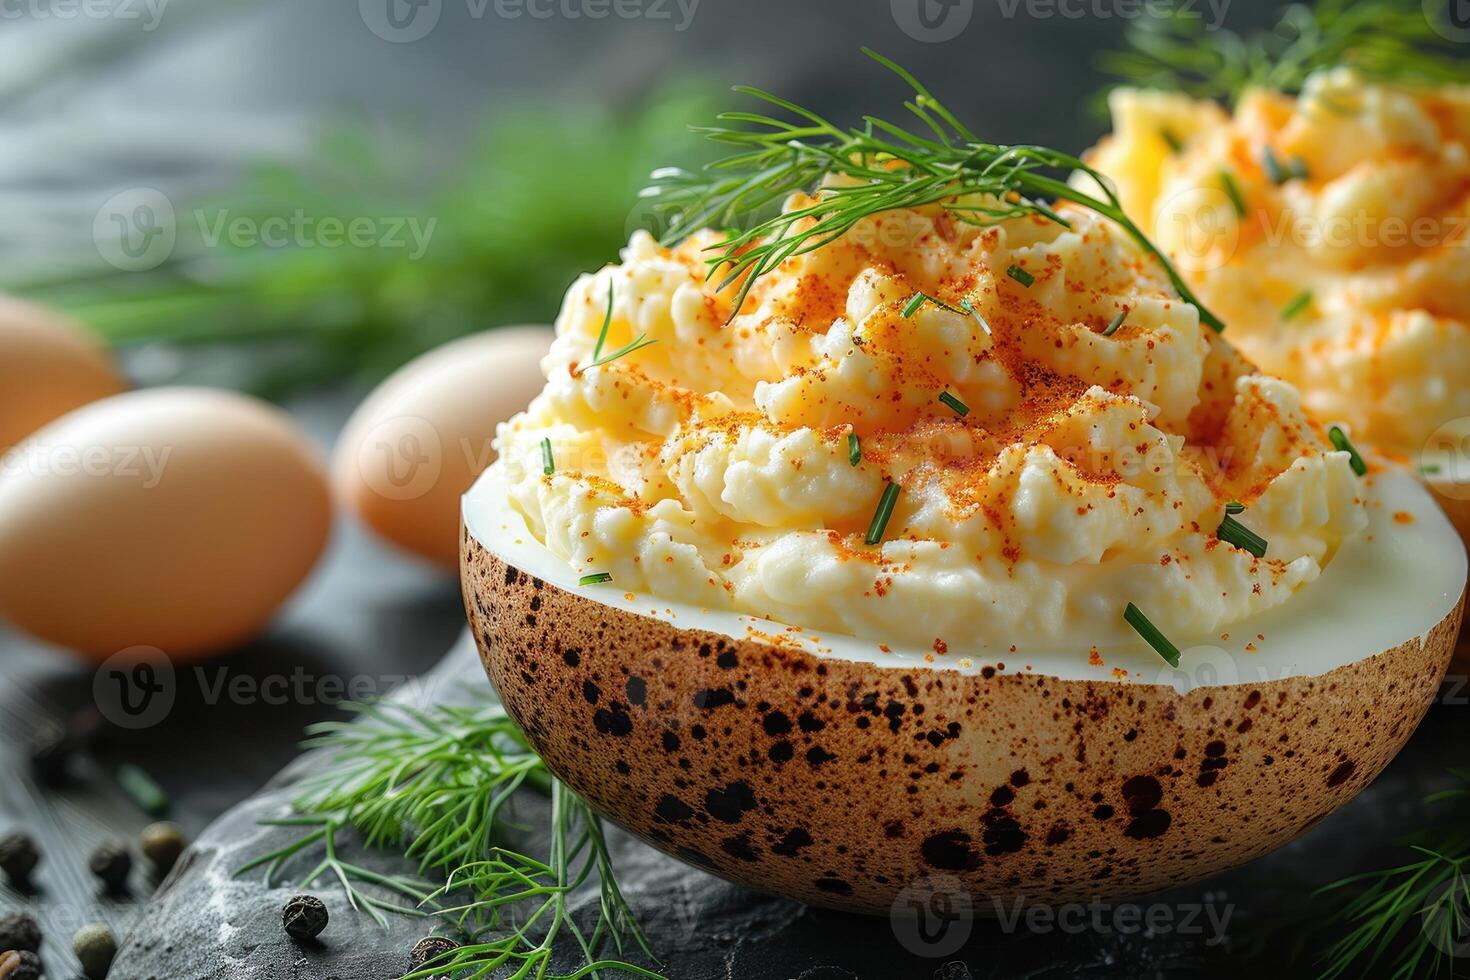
column 1298, row 303
column 1151, row 635
column 961, row 409
column 884, row 512
column 142, row 789
column 1298, row 168
column 1430, row 469
column 1173, row 141
column 1117, row 322
column 548, row 463
column 1233, row 532
column 918, row 299
column 854, row 449
column 1021, row 276
column 1341, row 444
column 596, row 578
column 1278, row 174
column 1232, row 189
column 1235, row 507
column 965, row 305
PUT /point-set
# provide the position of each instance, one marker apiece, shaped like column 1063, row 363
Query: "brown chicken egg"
column 417, row 443
column 48, row 366
column 173, row 518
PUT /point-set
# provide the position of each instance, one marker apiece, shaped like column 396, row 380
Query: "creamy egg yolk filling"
column 1340, row 257
column 1051, row 464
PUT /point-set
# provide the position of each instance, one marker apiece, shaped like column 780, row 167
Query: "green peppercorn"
column 112, row 863
column 304, row 917
column 162, row 843
column 95, row 947
column 431, row 950
column 20, row 965
column 18, row 857
column 19, row 931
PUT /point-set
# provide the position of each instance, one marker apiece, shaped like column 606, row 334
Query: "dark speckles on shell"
column 839, row 783
column 950, row 850
column 671, row 809
column 792, row 842
column 731, row 803
column 613, row 722
column 739, row 847
column 711, row 698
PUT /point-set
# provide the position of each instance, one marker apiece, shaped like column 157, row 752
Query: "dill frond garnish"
column 1385, row 40
column 1406, row 922
column 437, row 786
column 598, row 357
column 858, row 172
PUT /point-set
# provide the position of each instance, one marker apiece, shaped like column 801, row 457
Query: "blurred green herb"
column 545, row 193
column 1388, row 40
column 1406, row 922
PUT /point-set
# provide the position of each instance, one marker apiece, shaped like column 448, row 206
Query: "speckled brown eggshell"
column 842, row 783
column 1452, row 500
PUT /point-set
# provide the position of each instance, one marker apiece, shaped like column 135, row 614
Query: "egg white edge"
column 1391, row 584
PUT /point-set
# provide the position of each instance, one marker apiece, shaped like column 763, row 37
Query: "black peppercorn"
column 52, row 748
column 95, row 947
column 18, row 857
column 19, row 931
column 304, row 917
column 431, row 949
column 20, row 965
column 162, row 844
column 112, row 863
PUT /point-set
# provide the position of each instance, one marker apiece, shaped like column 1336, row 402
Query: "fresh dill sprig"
column 511, row 880
column 437, row 786
column 1420, row 909
column 858, row 172
column 598, row 357
column 1387, row 40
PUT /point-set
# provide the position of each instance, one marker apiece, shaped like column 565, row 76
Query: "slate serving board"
column 206, row 923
